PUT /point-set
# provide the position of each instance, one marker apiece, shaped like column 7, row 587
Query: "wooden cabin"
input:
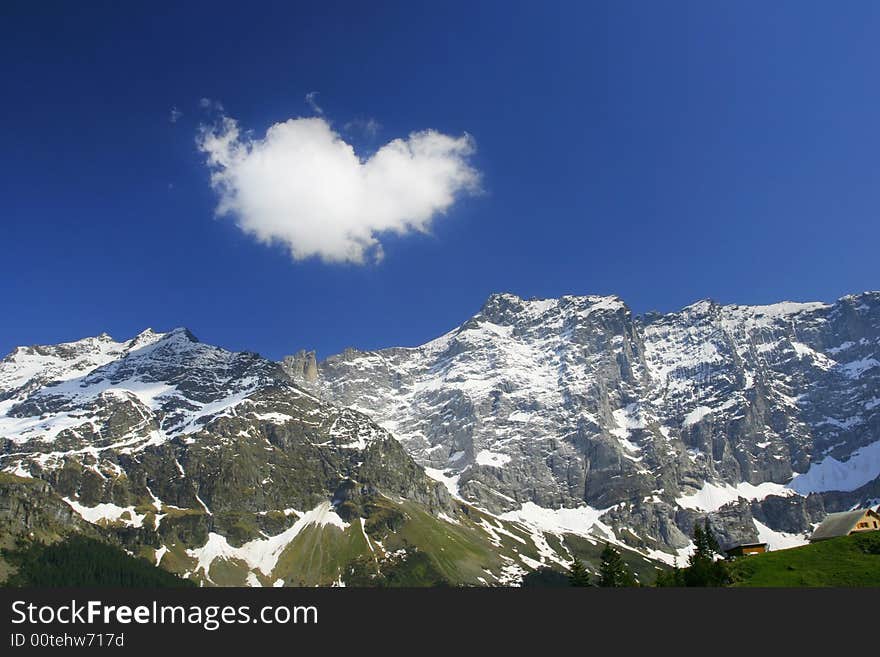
column 845, row 523
column 744, row 549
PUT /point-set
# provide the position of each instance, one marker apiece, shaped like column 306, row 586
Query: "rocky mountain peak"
column 701, row 308
column 149, row 336
column 505, row 309
column 502, row 308
column 182, row 334
column 574, row 402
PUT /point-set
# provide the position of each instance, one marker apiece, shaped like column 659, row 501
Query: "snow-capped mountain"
column 218, row 467
column 535, row 431
column 532, row 406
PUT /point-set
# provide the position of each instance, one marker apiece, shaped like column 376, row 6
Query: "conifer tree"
column 700, row 548
column 613, row 572
column 703, row 569
column 711, row 542
column 578, row 575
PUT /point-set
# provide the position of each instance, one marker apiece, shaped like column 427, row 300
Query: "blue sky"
column 664, row 152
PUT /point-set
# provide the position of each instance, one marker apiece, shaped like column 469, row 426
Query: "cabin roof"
column 839, row 524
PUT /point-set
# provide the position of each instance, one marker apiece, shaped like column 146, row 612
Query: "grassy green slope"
column 400, row 543
column 590, row 552
column 474, row 548
column 845, row 561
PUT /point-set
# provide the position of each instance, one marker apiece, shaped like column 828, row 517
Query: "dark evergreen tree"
column 703, row 569
column 578, row 575
column 700, row 546
column 711, row 542
column 613, row 572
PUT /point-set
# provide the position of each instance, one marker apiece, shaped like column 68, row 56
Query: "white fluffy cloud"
column 304, row 187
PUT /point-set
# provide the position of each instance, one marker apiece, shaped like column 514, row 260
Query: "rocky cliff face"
column 301, row 366
column 220, row 468
column 652, row 421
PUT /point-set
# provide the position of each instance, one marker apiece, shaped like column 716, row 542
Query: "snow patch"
column 450, row 481
column 776, row 540
column 696, row 415
column 263, row 554
column 492, row 459
column 862, row 467
column 579, row 520
column 712, row 497
column 855, row 369
column 107, row 512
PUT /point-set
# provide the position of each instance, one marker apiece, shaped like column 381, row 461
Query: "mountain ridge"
column 533, row 431
column 658, row 378
column 216, row 466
